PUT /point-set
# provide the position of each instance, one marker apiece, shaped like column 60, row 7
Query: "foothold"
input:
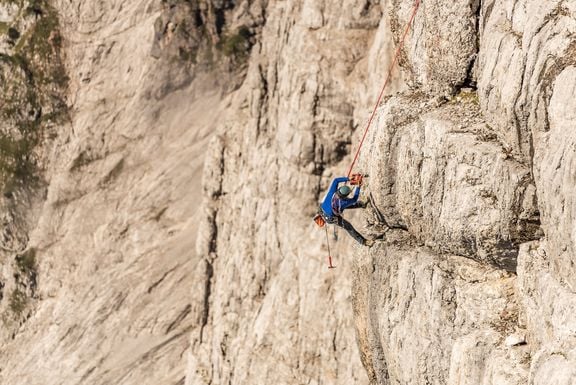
column 13, row 33
column 515, row 340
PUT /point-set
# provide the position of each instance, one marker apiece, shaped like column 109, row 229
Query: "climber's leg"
column 341, row 222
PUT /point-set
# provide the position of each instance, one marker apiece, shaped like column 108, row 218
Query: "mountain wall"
column 475, row 280
column 266, row 291
column 99, row 236
column 161, row 161
column 104, row 278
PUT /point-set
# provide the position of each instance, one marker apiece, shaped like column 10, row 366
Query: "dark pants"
column 341, row 222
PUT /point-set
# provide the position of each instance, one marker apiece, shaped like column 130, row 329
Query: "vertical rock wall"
column 112, row 236
column 272, row 313
column 281, row 86
column 111, row 106
column 33, row 84
column 483, row 175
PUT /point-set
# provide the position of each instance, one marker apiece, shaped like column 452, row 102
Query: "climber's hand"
column 356, row 180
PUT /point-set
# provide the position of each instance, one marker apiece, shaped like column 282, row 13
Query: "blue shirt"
column 332, row 204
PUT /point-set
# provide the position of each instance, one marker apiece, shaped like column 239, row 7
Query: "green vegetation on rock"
column 237, row 44
column 18, row 302
column 26, row 262
column 33, row 86
column 33, row 81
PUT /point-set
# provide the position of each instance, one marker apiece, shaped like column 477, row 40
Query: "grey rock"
column 426, row 318
column 441, row 47
column 422, row 160
column 548, row 303
column 554, row 157
column 515, row 339
column 438, row 172
column 525, row 46
column 287, row 132
column 171, row 240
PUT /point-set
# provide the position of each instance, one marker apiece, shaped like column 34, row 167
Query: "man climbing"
column 336, row 201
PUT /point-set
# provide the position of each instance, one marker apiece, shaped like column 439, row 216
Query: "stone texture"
column 554, row 163
column 266, row 293
column 436, row 170
column 441, row 51
column 477, row 177
column 114, row 234
column 33, row 87
column 549, row 304
column 170, row 239
column 524, row 47
column 426, row 318
column 122, row 277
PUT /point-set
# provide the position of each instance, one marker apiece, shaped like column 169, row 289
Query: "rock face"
column 483, row 176
column 438, row 171
column 426, row 318
column 104, row 240
column 526, row 46
column 161, row 160
column 441, row 52
column 32, row 107
column 110, row 285
column 265, row 292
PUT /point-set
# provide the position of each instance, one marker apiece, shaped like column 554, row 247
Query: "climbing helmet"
column 344, row 191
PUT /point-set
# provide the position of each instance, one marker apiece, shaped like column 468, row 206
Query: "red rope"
column 416, row 5
column 330, row 266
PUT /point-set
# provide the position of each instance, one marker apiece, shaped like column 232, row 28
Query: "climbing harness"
column 356, row 179
column 388, row 77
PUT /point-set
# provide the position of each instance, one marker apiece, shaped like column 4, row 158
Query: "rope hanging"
column 388, row 77
column 396, row 56
column 330, row 265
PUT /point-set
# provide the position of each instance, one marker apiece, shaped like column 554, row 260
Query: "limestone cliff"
column 102, row 280
column 161, row 160
column 106, row 156
column 481, row 174
column 266, row 291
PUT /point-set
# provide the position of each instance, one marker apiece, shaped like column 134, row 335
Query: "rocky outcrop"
column 148, row 82
column 111, row 241
column 441, row 52
column 205, row 37
column 265, row 292
column 33, row 85
column 423, row 317
column 482, row 175
column 437, row 170
column 525, row 48
column 161, row 160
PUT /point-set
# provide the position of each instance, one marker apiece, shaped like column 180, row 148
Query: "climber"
column 336, row 201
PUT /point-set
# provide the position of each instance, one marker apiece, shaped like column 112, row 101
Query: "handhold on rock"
column 515, row 339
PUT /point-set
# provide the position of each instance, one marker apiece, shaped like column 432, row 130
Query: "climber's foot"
column 369, row 243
